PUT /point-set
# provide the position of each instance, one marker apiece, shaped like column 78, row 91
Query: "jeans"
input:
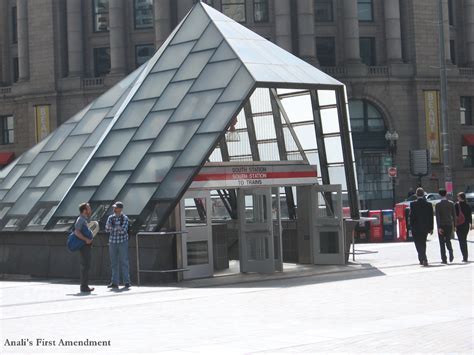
column 85, row 252
column 462, row 233
column 445, row 241
column 119, row 262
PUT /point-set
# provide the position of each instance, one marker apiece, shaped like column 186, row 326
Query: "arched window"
column 365, row 117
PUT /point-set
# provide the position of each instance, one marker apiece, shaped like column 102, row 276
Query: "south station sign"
column 248, row 174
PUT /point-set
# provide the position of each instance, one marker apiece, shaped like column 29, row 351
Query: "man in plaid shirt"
column 117, row 226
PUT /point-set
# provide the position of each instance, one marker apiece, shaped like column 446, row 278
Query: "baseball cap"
column 117, row 204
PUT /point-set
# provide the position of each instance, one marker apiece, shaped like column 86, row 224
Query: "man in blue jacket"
column 117, row 226
column 85, row 251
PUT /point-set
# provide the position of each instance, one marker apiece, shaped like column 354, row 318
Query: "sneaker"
column 127, row 285
column 87, row 289
column 112, row 285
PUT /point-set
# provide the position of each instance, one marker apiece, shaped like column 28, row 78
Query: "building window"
column 466, row 111
column 468, row 156
column 143, row 52
column 365, row 117
column 323, row 11
column 7, row 130
column 101, row 61
column 367, row 51
column 143, row 10
column 326, row 51
column 365, row 10
column 100, row 10
column 14, row 25
column 16, row 70
column 260, row 10
column 235, row 9
column 452, row 51
column 451, row 12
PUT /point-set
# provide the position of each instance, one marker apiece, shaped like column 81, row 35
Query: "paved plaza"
column 383, row 303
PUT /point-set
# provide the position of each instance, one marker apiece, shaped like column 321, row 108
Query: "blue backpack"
column 74, row 243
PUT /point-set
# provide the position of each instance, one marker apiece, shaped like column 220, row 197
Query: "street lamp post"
column 392, row 137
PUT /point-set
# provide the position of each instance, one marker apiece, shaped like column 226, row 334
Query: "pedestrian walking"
column 463, row 223
column 117, row 226
column 446, row 220
column 85, row 251
column 421, row 222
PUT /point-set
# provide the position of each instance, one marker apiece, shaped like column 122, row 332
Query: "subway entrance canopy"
column 144, row 140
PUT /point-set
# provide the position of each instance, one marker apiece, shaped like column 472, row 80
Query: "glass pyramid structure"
column 144, row 140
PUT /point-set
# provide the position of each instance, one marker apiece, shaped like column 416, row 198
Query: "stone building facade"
column 58, row 55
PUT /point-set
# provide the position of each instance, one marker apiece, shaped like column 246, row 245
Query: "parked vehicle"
column 431, row 197
column 470, row 199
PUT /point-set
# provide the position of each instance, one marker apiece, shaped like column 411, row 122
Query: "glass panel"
column 95, row 137
column 115, row 143
column 173, row 57
column 376, row 125
column 36, row 166
column 197, row 253
column 15, row 192
column 12, row 177
column 111, row 186
column 196, row 105
column 27, row 157
column 372, row 112
column 330, row 120
column 224, row 52
column 264, row 127
column 132, row 155
column 152, row 125
column 70, row 205
column 333, row 150
column 240, row 148
column 219, row 117
column 58, row 137
column 357, row 125
column 135, row 198
column 195, row 212
column 143, row 13
column 95, row 172
column 111, row 96
column 307, row 136
column 197, row 149
column 298, row 108
column 256, row 209
column 268, row 151
column 59, row 188
column 193, row 27
column 69, row 148
column 174, row 182
column 211, row 38
column 216, row 75
column 78, row 161
column 78, row 116
column 172, row 96
column 337, row 176
column 49, row 173
column 238, row 87
column 154, row 85
column 134, row 114
column 327, row 97
column 26, row 202
column 193, row 65
column 356, row 109
column 90, row 121
column 175, row 136
column 153, row 168
column 329, row 242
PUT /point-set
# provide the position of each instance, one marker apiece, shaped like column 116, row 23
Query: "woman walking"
column 463, row 223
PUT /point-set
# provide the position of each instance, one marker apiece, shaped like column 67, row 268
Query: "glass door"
column 327, row 237
column 256, row 242
column 197, row 243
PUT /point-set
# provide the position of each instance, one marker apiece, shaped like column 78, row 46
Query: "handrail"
column 138, row 253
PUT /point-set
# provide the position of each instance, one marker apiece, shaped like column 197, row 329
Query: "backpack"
column 460, row 219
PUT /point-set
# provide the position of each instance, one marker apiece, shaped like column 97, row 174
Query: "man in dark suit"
column 421, row 221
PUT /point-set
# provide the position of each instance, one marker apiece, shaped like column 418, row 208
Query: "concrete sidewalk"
column 384, row 302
